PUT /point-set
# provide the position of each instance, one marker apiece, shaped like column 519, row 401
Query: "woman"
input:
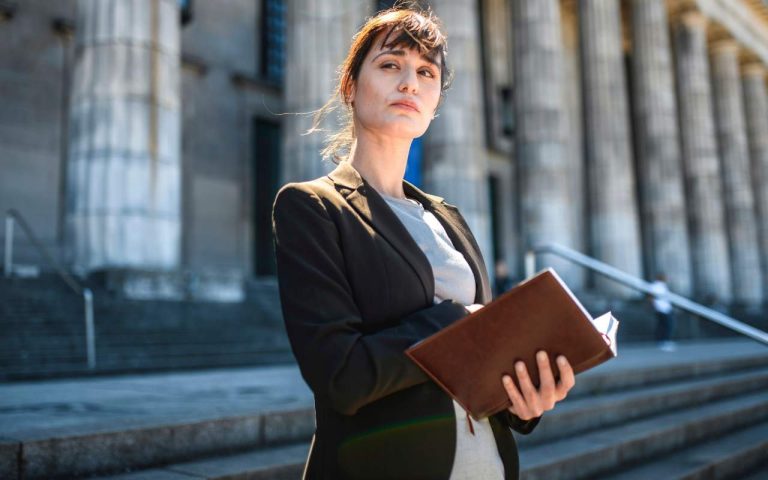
column 368, row 265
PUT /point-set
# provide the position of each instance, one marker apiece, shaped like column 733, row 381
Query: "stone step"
column 635, row 368
column 577, row 415
column 568, row 418
column 278, row 463
column 739, row 452
column 591, row 454
column 726, row 457
column 145, row 446
column 130, row 362
column 159, row 347
column 141, row 421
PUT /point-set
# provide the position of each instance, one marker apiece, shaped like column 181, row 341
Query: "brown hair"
column 411, row 27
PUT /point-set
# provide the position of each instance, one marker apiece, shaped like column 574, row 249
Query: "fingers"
column 529, row 402
column 519, row 407
column 567, row 377
column 530, row 394
column 546, row 381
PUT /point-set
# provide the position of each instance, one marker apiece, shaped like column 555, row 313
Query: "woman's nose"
column 409, row 81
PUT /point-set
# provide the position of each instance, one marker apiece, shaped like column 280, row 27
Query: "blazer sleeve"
column 515, row 423
column 343, row 365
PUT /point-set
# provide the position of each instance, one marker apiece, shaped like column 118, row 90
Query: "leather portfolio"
column 469, row 357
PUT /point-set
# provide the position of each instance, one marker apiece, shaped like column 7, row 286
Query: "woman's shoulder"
column 320, row 190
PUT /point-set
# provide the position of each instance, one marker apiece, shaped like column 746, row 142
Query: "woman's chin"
column 404, row 132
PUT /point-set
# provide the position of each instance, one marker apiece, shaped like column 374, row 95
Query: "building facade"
column 147, row 138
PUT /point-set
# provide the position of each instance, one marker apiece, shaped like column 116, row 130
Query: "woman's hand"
column 532, row 403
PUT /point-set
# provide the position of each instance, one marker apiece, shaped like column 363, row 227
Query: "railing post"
column 530, row 263
column 90, row 334
column 8, row 263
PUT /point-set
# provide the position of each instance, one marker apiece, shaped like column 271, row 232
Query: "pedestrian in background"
column 665, row 320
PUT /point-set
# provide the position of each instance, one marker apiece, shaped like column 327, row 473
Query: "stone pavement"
column 40, row 409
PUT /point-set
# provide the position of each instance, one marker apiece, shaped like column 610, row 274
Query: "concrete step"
column 591, row 454
column 111, row 424
column 141, row 421
column 278, row 463
column 726, row 457
column 642, row 365
column 43, row 328
column 581, row 414
column 738, row 452
column 569, row 418
column 130, row 362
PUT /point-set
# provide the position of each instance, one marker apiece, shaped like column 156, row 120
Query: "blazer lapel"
column 460, row 236
column 369, row 205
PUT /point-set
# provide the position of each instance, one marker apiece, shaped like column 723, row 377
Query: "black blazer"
column 356, row 291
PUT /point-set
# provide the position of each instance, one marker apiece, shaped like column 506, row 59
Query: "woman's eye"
column 387, row 65
column 429, row 73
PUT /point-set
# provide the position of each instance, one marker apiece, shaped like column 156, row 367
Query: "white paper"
column 607, row 325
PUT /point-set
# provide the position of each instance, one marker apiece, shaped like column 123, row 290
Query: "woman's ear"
column 351, row 94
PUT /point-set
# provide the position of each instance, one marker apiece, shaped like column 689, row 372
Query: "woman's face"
column 396, row 92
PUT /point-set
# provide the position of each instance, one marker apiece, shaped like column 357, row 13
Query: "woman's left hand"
column 532, row 403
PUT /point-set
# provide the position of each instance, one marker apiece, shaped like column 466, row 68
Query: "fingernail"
column 506, row 379
column 520, row 366
column 541, row 356
column 561, row 360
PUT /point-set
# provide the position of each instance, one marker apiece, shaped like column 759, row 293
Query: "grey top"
column 476, row 455
column 453, row 277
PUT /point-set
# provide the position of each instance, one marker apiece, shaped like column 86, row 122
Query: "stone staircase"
column 44, row 331
column 699, row 412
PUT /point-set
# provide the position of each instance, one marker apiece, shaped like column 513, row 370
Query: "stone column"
column 123, row 188
column 756, row 109
column 541, row 121
column 709, row 252
column 574, row 138
column 455, row 165
column 317, row 38
column 737, row 188
column 662, row 202
column 614, row 230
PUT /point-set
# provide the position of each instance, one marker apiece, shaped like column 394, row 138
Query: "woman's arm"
column 342, row 365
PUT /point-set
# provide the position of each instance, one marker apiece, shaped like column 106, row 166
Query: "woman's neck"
column 381, row 163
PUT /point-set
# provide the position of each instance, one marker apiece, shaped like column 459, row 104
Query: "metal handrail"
column 12, row 215
column 639, row 284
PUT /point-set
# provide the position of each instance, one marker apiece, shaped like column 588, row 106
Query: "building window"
column 273, row 40
column 497, row 233
column 266, row 163
column 507, row 113
column 185, row 11
column 496, row 51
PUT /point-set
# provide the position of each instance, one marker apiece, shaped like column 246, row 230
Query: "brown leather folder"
column 469, row 357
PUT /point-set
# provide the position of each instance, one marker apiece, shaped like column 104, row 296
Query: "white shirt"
column 660, row 292
column 476, row 456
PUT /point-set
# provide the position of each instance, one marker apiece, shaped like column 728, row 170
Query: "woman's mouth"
column 406, row 107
